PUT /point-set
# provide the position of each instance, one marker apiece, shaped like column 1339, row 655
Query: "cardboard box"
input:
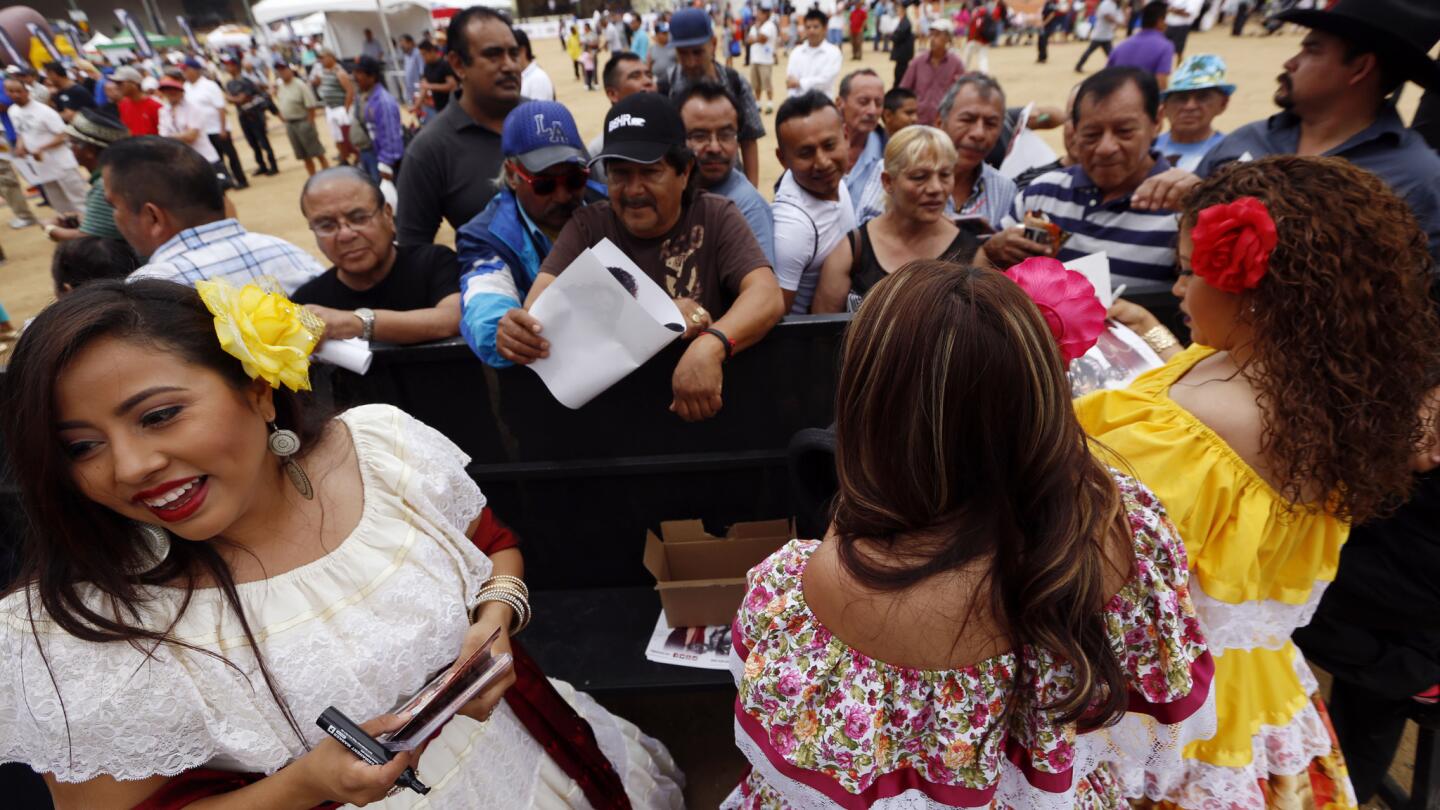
column 700, row 577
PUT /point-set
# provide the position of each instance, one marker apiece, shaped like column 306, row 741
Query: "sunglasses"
column 543, row 184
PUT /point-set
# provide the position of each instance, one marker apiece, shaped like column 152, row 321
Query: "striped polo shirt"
column 1139, row 244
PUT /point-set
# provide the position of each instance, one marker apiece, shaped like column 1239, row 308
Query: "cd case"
column 432, row 707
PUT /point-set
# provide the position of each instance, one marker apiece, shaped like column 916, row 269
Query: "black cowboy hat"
column 1401, row 32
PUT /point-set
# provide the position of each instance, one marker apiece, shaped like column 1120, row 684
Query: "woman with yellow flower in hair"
column 208, row 567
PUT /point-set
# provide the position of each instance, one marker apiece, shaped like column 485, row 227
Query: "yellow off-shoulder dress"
column 1259, row 568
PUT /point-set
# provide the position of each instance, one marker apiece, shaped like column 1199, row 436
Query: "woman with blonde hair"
column 1294, row 414
column 918, row 177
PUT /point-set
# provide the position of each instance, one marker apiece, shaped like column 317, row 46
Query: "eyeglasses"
column 355, row 219
column 544, row 184
column 699, row 137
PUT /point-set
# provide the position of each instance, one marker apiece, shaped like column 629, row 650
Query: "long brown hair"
column 73, row 545
column 953, row 422
column 1345, row 339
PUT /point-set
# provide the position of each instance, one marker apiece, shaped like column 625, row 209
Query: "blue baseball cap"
column 690, row 27
column 541, row 134
column 192, row 62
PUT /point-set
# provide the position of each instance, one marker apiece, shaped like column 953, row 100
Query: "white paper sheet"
column 352, row 354
column 1027, row 150
column 34, row 171
column 597, row 329
column 699, row 647
column 1096, row 269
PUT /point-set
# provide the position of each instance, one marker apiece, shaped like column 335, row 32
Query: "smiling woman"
column 172, row 569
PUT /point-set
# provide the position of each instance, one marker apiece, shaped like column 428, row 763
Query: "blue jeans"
column 370, row 163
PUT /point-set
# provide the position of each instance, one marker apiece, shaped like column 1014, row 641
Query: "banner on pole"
column 43, row 37
column 189, row 34
column 12, row 54
column 137, row 32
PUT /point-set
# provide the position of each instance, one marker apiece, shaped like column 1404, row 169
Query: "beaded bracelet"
column 506, row 579
column 507, row 594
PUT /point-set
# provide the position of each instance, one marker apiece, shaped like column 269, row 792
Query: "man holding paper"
column 696, row 246
column 544, row 181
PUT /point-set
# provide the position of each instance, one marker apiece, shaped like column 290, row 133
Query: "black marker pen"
column 365, row 747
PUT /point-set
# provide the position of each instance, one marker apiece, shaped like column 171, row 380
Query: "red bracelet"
column 729, row 344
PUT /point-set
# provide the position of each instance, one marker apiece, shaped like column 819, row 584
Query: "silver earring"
column 156, row 542
column 285, row 444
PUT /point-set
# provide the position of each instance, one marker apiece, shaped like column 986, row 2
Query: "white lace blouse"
column 360, row 629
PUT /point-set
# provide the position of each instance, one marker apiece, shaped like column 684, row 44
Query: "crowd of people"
column 1022, row 599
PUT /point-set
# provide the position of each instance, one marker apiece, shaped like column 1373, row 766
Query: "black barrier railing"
column 582, row 486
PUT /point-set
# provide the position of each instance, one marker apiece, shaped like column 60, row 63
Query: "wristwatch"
column 367, row 318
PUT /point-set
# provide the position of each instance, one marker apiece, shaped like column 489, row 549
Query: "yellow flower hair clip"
column 269, row 334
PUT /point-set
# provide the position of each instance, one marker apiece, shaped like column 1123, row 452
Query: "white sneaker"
column 21, row 222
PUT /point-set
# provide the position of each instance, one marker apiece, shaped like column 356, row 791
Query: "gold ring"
column 699, row 315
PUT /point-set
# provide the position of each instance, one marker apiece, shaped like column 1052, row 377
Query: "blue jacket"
column 500, row 254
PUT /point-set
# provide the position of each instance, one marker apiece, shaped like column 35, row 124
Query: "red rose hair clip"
column 1066, row 299
column 1233, row 242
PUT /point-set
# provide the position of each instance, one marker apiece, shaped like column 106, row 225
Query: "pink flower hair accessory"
column 1233, row 242
column 1066, row 299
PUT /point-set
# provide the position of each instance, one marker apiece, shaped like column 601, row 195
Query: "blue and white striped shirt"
column 1139, row 244
column 225, row 249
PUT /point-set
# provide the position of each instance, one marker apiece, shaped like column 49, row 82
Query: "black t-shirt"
column 436, row 73
column 423, row 275
column 75, row 98
column 251, row 97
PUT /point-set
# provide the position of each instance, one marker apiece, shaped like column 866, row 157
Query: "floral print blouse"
column 824, row 725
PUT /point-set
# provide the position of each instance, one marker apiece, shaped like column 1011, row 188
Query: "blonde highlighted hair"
column 918, row 145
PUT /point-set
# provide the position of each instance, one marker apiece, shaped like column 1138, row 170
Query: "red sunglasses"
column 574, row 180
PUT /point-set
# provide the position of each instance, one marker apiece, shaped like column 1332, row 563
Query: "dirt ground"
column 270, row 206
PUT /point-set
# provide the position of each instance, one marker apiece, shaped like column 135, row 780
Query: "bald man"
column 373, row 289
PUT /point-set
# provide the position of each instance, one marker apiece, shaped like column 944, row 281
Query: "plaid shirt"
column 226, row 250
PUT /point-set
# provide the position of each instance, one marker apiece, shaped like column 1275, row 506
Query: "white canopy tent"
column 345, row 21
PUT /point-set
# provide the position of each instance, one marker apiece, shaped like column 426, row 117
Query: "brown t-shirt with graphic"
column 703, row 257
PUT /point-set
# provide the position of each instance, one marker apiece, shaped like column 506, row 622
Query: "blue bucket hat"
column 690, row 27
column 1203, row 71
column 541, row 134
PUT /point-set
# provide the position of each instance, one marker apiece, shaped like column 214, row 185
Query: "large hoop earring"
column 285, row 444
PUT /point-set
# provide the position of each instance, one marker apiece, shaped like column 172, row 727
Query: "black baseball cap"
column 641, row 128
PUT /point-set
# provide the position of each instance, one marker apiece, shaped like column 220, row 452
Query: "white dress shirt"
column 1192, row 6
column 535, row 83
column 816, row 68
column 205, row 94
column 175, row 120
